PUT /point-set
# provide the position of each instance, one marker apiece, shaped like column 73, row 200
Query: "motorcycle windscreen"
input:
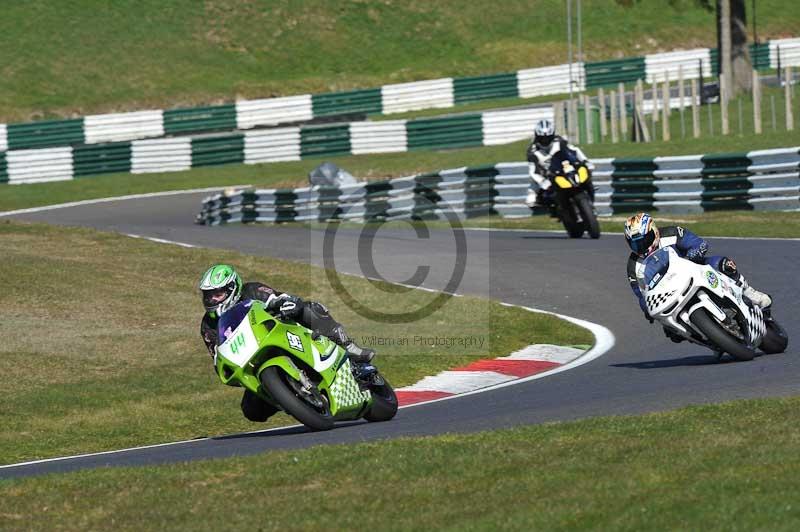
column 655, row 267
column 231, row 319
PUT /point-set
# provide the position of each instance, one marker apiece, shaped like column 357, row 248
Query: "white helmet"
column 544, row 133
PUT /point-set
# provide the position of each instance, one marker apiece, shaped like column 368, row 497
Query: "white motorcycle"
column 706, row 307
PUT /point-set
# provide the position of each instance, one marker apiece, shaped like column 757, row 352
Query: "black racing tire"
column 273, row 379
column 565, row 212
column 384, row 403
column 587, row 213
column 776, row 340
column 719, row 337
column 574, row 227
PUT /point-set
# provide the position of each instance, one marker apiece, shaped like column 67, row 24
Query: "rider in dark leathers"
column 221, row 288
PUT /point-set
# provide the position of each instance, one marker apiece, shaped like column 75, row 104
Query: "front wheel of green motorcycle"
column 308, row 411
column 384, row 402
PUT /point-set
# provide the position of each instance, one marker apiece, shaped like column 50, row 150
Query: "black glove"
column 288, row 306
column 648, row 317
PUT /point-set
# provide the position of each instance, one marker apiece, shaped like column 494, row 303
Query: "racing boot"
column 360, row 357
column 758, row 298
column 728, row 267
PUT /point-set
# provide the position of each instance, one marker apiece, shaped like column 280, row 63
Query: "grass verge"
column 731, row 466
column 84, row 57
column 721, row 223
column 102, row 349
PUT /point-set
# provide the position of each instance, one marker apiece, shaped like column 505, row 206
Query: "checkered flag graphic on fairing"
column 654, row 300
column 345, row 388
column 756, row 326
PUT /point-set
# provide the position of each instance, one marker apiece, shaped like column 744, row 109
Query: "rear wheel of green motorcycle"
column 587, row 213
column 384, row 403
column 719, row 337
column 274, row 379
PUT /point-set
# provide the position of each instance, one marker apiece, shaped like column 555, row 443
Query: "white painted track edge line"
column 604, row 341
column 116, row 198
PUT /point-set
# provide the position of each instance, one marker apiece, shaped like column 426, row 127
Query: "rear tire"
column 587, row 213
column 384, row 403
column 719, row 337
column 273, row 379
column 776, row 339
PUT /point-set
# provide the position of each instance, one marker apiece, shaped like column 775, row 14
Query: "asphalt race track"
column 643, row 372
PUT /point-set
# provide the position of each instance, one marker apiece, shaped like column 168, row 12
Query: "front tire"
column 567, row 213
column 719, row 337
column 384, row 403
column 587, row 213
column 776, row 340
column 274, row 380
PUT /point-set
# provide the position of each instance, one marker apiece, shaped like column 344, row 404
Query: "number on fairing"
column 241, row 346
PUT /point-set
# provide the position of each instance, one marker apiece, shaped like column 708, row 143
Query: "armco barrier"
column 766, row 179
column 268, row 145
column 396, row 98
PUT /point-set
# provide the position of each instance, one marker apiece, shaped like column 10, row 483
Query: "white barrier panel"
column 123, row 126
column 789, row 52
column 683, row 166
column 656, row 65
column 378, row 137
column 161, row 155
column 550, row 80
column 502, row 127
column 402, row 97
column 778, row 160
column 272, row 145
column 3, row 138
column 34, row 166
column 272, row 111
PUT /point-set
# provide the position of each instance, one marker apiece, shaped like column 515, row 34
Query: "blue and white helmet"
column 642, row 234
column 544, row 133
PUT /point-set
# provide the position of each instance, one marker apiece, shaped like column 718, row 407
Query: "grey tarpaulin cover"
column 331, row 175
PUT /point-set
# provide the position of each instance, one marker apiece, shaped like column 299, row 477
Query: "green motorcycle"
column 296, row 369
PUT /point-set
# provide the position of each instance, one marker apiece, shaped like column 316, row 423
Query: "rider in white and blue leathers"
column 644, row 238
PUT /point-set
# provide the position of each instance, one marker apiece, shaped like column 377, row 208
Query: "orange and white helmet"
column 642, row 234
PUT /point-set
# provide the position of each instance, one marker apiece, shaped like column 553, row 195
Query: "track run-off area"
column 635, row 370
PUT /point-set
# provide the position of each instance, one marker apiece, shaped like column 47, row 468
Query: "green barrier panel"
column 726, row 164
column 451, row 132
column 337, row 103
column 759, row 56
column 727, row 204
column 426, row 196
column 200, row 119
column 325, row 140
column 633, row 168
column 3, row 168
column 46, row 133
column 714, row 63
column 479, row 88
column 218, row 150
column 604, row 73
column 89, row 159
